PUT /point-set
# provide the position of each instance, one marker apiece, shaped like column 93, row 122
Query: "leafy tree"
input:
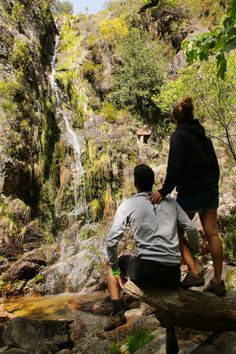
column 62, row 7
column 139, row 75
column 214, row 99
column 218, row 42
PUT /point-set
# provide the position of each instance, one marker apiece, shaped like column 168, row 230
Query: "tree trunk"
column 188, row 308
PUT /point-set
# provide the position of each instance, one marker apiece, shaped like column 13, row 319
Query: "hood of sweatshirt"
column 195, row 128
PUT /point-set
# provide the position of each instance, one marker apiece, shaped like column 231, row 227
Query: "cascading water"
column 72, row 139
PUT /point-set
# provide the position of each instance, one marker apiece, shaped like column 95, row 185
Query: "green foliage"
column 9, row 91
column 113, row 29
column 218, row 42
column 17, row 13
column 10, row 88
column 138, row 340
column 62, row 7
column 49, row 136
column 214, row 99
column 228, row 231
column 96, row 209
column 92, row 72
column 86, row 231
column 69, row 37
column 39, row 278
column 114, row 347
column 140, row 76
column 21, row 56
column 109, row 112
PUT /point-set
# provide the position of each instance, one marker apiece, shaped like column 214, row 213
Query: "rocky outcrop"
column 28, row 130
column 23, row 335
column 27, row 43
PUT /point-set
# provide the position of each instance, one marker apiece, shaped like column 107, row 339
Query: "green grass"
column 138, row 340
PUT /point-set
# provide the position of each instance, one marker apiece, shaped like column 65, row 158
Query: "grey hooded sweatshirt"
column 154, row 228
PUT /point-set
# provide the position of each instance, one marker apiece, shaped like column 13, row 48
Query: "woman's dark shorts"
column 198, row 203
column 145, row 272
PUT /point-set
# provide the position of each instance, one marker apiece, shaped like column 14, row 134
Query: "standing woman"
column 193, row 169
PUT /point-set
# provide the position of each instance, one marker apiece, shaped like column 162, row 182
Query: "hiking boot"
column 115, row 321
column 192, row 279
column 216, row 288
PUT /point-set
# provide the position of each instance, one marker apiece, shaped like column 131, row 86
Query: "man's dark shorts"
column 147, row 272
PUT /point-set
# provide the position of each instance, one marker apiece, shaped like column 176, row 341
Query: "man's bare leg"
column 112, row 283
column 186, row 253
column 185, row 250
column 209, row 224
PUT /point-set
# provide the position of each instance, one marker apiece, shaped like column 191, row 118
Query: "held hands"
column 155, row 198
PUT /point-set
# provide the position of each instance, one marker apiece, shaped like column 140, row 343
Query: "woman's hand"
column 155, row 198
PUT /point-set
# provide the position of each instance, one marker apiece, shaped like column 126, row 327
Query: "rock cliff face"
column 27, row 38
column 28, row 130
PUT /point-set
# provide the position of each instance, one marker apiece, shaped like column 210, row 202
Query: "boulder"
column 37, row 336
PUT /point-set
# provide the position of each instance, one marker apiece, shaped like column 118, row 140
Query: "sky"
column 92, row 5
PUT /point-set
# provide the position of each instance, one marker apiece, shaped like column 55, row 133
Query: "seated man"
column 154, row 228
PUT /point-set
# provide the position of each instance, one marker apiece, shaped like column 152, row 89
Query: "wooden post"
column 171, row 341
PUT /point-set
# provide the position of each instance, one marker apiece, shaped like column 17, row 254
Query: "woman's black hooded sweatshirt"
column 192, row 162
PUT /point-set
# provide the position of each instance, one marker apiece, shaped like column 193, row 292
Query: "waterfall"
column 72, row 140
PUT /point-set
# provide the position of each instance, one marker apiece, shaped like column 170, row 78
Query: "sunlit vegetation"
column 214, row 99
column 114, row 29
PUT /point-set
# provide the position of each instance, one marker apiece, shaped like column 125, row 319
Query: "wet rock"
column 37, row 337
column 6, row 42
column 224, row 343
column 92, row 345
column 148, row 323
column 7, row 350
column 31, row 236
column 21, row 270
column 79, row 272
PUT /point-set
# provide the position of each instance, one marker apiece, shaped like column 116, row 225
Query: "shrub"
column 113, row 29
column 96, row 209
column 21, row 56
column 92, row 71
column 17, row 13
column 138, row 340
column 228, row 230
column 140, row 76
column 109, row 112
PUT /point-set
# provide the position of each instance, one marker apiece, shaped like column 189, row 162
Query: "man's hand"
column 155, row 198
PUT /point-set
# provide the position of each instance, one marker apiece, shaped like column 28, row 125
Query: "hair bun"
column 183, row 111
column 187, row 104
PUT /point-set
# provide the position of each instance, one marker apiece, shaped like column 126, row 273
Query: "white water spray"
column 72, row 139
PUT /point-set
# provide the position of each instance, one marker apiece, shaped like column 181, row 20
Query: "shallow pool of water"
column 50, row 307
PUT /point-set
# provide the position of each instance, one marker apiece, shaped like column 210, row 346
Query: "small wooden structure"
column 143, row 135
column 187, row 309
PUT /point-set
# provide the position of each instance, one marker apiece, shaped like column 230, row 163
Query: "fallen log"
column 188, row 308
